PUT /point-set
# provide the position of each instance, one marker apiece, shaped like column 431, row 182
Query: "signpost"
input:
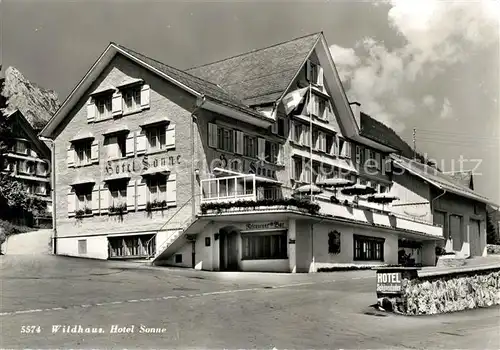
column 389, row 282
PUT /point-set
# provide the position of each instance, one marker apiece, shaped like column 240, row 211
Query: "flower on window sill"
column 150, row 206
column 80, row 213
column 118, row 208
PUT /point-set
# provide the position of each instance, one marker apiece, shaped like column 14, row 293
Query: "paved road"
column 193, row 309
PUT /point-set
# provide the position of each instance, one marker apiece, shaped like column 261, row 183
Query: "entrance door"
column 228, row 250
column 475, row 243
column 232, row 252
column 456, row 232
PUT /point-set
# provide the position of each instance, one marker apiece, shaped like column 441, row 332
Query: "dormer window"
column 314, row 73
column 131, row 99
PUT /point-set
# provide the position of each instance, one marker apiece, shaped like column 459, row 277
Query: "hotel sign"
column 244, row 166
column 389, row 282
column 141, row 164
column 265, row 225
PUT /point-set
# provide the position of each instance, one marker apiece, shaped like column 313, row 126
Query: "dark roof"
column 437, row 178
column 210, row 90
column 463, row 177
column 259, row 76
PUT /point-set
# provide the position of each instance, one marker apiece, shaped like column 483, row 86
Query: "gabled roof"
column 260, row 76
column 204, row 87
column 438, row 179
column 217, row 98
column 28, row 131
column 462, row 177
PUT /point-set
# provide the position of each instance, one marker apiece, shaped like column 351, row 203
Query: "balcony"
column 222, row 194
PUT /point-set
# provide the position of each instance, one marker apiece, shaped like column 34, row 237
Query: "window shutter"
column 104, row 200
column 212, row 135
column 367, row 155
column 141, row 196
column 94, row 152
column 387, row 164
column 308, row 70
column 145, row 96
column 281, row 154
column 95, row 200
column 71, row 156
column 116, row 104
column 239, row 142
column 358, row 154
column 292, row 168
column 324, row 143
column 333, row 149
column 170, row 136
column 171, row 190
column 320, row 75
column 130, row 144
column 261, row 151
column 91, row 110
column 348, row 149
column 274, row 128
column 292, row 130
column 71, row 204
column 306, row 137
column 131, row 196
column 140, row 144
column 377, row 160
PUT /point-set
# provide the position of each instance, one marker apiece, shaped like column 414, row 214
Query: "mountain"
column 37, row 104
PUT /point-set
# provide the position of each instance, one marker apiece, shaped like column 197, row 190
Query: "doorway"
column 475, row 242
column 228, row 249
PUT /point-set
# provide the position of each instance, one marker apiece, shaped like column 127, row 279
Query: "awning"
column 86, row 135
column 117, row 130
column 156, row 171
column 104, row 89
column 124, row 176
column 83, row 182
column 129, row 82
column 157, row 120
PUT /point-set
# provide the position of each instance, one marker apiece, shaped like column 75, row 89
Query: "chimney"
column 356, row 110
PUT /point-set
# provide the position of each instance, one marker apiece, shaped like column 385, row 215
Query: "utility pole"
column 414, row 144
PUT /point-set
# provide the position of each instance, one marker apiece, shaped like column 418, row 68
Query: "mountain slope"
column 34, row 102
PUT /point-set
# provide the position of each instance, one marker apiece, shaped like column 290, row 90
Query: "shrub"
column 310, row 207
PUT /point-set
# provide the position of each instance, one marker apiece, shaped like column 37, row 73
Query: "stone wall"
column 493, row 249
column 447, row 293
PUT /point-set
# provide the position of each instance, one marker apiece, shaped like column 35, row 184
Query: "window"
column 330, row 144
column 313, row 73
column 321, row 107
column 315, row 136
column 368, row 248
column 250, row 146
column 132, row 246
column 84, row 199
column 156, row 138
column 22, row 147
column 281, row 127
column 82, row 246
column 82, row 150
column 440, row 219
column 41, row 189
column 116, row 146
column 297, row 132
column 344, row 148
column 334, row 242
column 42, row 169
column 118, row 191
column 131, row 99
column 264, row 246
column 315, row 174
column 225, row 139
column 297, row 164
column 178, row 258
column 157, row 189
column 103, row 106
column 271, row 152
column 382, row 189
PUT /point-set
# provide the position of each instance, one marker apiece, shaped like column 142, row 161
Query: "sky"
column 427, row 65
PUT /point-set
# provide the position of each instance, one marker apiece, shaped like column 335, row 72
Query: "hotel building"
column 206, row 168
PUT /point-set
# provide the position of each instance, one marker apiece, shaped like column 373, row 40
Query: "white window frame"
column 83, row 153
column 117, row 194
column 157, row 189
column 157, row 138
column 83, row 200
column 103, row 106
column 131, row 99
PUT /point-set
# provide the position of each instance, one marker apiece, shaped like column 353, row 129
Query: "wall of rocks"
column 450, row 293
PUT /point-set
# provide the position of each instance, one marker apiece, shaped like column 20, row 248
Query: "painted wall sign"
column 244, row 166
column 264, row 226
column 389, row 282
column 140, row 164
